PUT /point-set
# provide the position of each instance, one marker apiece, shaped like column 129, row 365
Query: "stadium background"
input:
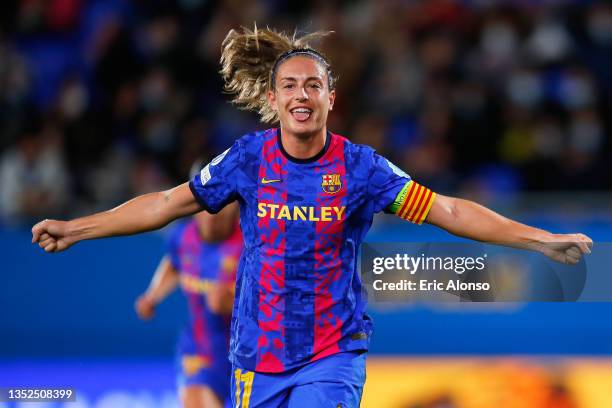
column 507, row 103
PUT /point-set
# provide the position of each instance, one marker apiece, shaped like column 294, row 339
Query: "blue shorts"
column 334, row 381
column 194, row 369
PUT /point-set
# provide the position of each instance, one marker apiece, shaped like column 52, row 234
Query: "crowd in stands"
column 101, row 100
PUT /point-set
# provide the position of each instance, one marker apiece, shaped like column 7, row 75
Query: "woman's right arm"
column 143, row 213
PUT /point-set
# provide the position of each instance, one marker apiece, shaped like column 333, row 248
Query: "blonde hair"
column 250, row 58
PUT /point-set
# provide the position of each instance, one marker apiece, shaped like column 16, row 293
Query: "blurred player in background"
column 307, row 199
column 202, row 257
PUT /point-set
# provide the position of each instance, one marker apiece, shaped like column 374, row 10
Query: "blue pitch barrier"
column 80, row 303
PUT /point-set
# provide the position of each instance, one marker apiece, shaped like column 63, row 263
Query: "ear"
column 272, row 100
column 332, row 98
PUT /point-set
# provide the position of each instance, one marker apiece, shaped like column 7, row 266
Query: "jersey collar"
column 303, row 161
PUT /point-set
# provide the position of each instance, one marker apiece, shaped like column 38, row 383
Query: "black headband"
column 307, row 52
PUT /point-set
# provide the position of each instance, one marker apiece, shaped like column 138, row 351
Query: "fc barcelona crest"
column 331, row 183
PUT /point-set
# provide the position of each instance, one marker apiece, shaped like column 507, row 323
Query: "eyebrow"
column 315, row 78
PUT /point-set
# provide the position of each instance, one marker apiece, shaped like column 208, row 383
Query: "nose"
column 301, row 95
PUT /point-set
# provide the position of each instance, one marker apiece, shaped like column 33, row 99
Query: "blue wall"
column 80, row 303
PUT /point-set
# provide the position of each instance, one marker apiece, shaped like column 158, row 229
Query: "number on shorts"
column 247, row 379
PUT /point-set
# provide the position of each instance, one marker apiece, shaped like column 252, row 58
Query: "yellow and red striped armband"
column 413, row 202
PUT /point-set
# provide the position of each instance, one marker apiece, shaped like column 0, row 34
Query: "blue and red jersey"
column 202, row 267
column 298, row 293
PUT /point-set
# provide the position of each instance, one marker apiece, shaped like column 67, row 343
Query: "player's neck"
column 303, row 146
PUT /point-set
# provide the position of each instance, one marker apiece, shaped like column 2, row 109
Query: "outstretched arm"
column 164, row 281
column 470, row 220
column 143, row 213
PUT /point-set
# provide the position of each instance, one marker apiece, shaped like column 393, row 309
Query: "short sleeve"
column 396, row 193
column 216, row 184
column 385, row 182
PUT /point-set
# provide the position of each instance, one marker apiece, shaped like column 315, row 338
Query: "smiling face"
column 301, row 97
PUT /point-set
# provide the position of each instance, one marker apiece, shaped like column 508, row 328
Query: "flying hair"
column 250, row 59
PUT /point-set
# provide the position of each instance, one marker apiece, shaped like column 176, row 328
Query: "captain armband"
column 413, row 202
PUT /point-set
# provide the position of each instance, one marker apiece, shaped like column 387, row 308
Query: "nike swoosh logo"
column 264, row 181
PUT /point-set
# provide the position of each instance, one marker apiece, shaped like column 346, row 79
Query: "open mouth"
column 301, row 114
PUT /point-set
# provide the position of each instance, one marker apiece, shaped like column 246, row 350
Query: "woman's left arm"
column 468, row 219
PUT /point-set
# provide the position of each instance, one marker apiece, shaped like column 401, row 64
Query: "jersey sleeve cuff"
column 199, row 199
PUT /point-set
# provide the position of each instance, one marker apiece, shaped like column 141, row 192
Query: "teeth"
column 301, row 110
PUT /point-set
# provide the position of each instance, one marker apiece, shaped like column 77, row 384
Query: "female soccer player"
column 202, row 257
column 307, row 198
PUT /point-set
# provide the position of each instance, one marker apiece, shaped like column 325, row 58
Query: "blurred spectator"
column 33, row 179
column 465, row 96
